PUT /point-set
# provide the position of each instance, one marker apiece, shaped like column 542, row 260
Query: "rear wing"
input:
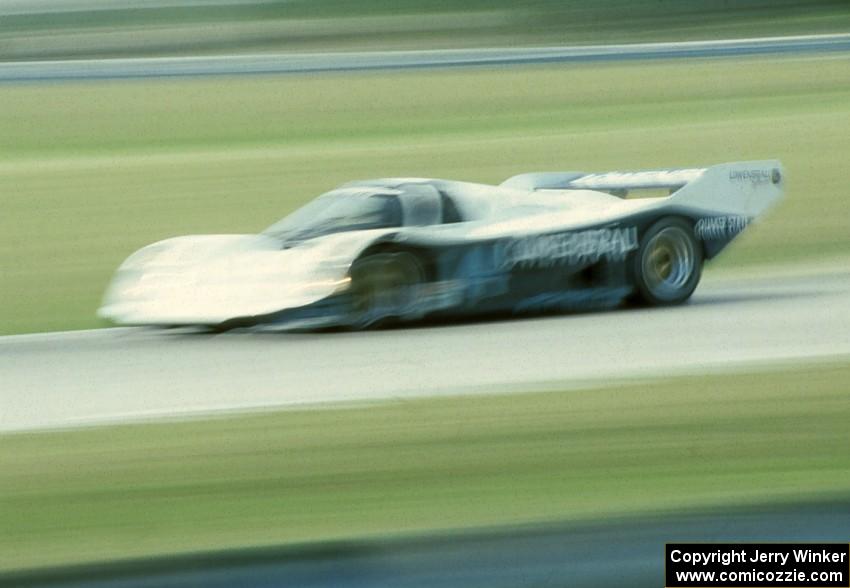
column 612, row 181
column 746, row 188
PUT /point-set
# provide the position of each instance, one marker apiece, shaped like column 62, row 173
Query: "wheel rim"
column 668, row 262
column 382, row 287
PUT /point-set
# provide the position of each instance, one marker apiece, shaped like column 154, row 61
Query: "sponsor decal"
column 583, row 299
column 720, row 227
column 437, row 296
column 574, row 248
column 756, row 176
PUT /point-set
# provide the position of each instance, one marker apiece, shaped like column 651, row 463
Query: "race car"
column 400, row 249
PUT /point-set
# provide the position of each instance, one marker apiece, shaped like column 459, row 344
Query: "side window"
column 390, row 210
column 421, row 205
column 450, row 211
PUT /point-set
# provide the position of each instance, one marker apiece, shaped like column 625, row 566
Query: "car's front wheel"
column 384, row 287
column 668, row 264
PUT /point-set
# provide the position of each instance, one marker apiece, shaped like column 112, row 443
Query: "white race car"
column 406, row 248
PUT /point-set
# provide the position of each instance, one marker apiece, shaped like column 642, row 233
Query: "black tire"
column 668, row 264
column 384, row 288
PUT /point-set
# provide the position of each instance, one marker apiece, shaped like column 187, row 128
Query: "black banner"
column 757, row 565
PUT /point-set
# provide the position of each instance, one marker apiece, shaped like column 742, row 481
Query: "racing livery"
column 398, row 249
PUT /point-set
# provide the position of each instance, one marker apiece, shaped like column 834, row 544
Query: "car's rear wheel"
column 384, row 288
column 668, row 264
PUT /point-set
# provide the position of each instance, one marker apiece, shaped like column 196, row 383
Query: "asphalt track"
column 68, row 379
column 90, row 69
column 628, row 552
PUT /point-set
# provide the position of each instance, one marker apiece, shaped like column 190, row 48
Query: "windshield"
column 345, row 209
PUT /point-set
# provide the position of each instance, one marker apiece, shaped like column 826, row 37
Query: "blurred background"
column 92, row 169
column 63, row 29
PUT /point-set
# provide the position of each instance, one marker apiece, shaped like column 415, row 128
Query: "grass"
column 419, row 465
column 91, row 171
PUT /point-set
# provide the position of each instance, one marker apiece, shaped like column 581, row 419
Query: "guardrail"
column 289, row 63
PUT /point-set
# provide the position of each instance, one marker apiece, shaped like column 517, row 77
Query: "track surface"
column 612, row 553
column 89, row 69
column 67, row 379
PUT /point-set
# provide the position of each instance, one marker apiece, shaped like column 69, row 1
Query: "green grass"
column 89, row 172
column 419, row 465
